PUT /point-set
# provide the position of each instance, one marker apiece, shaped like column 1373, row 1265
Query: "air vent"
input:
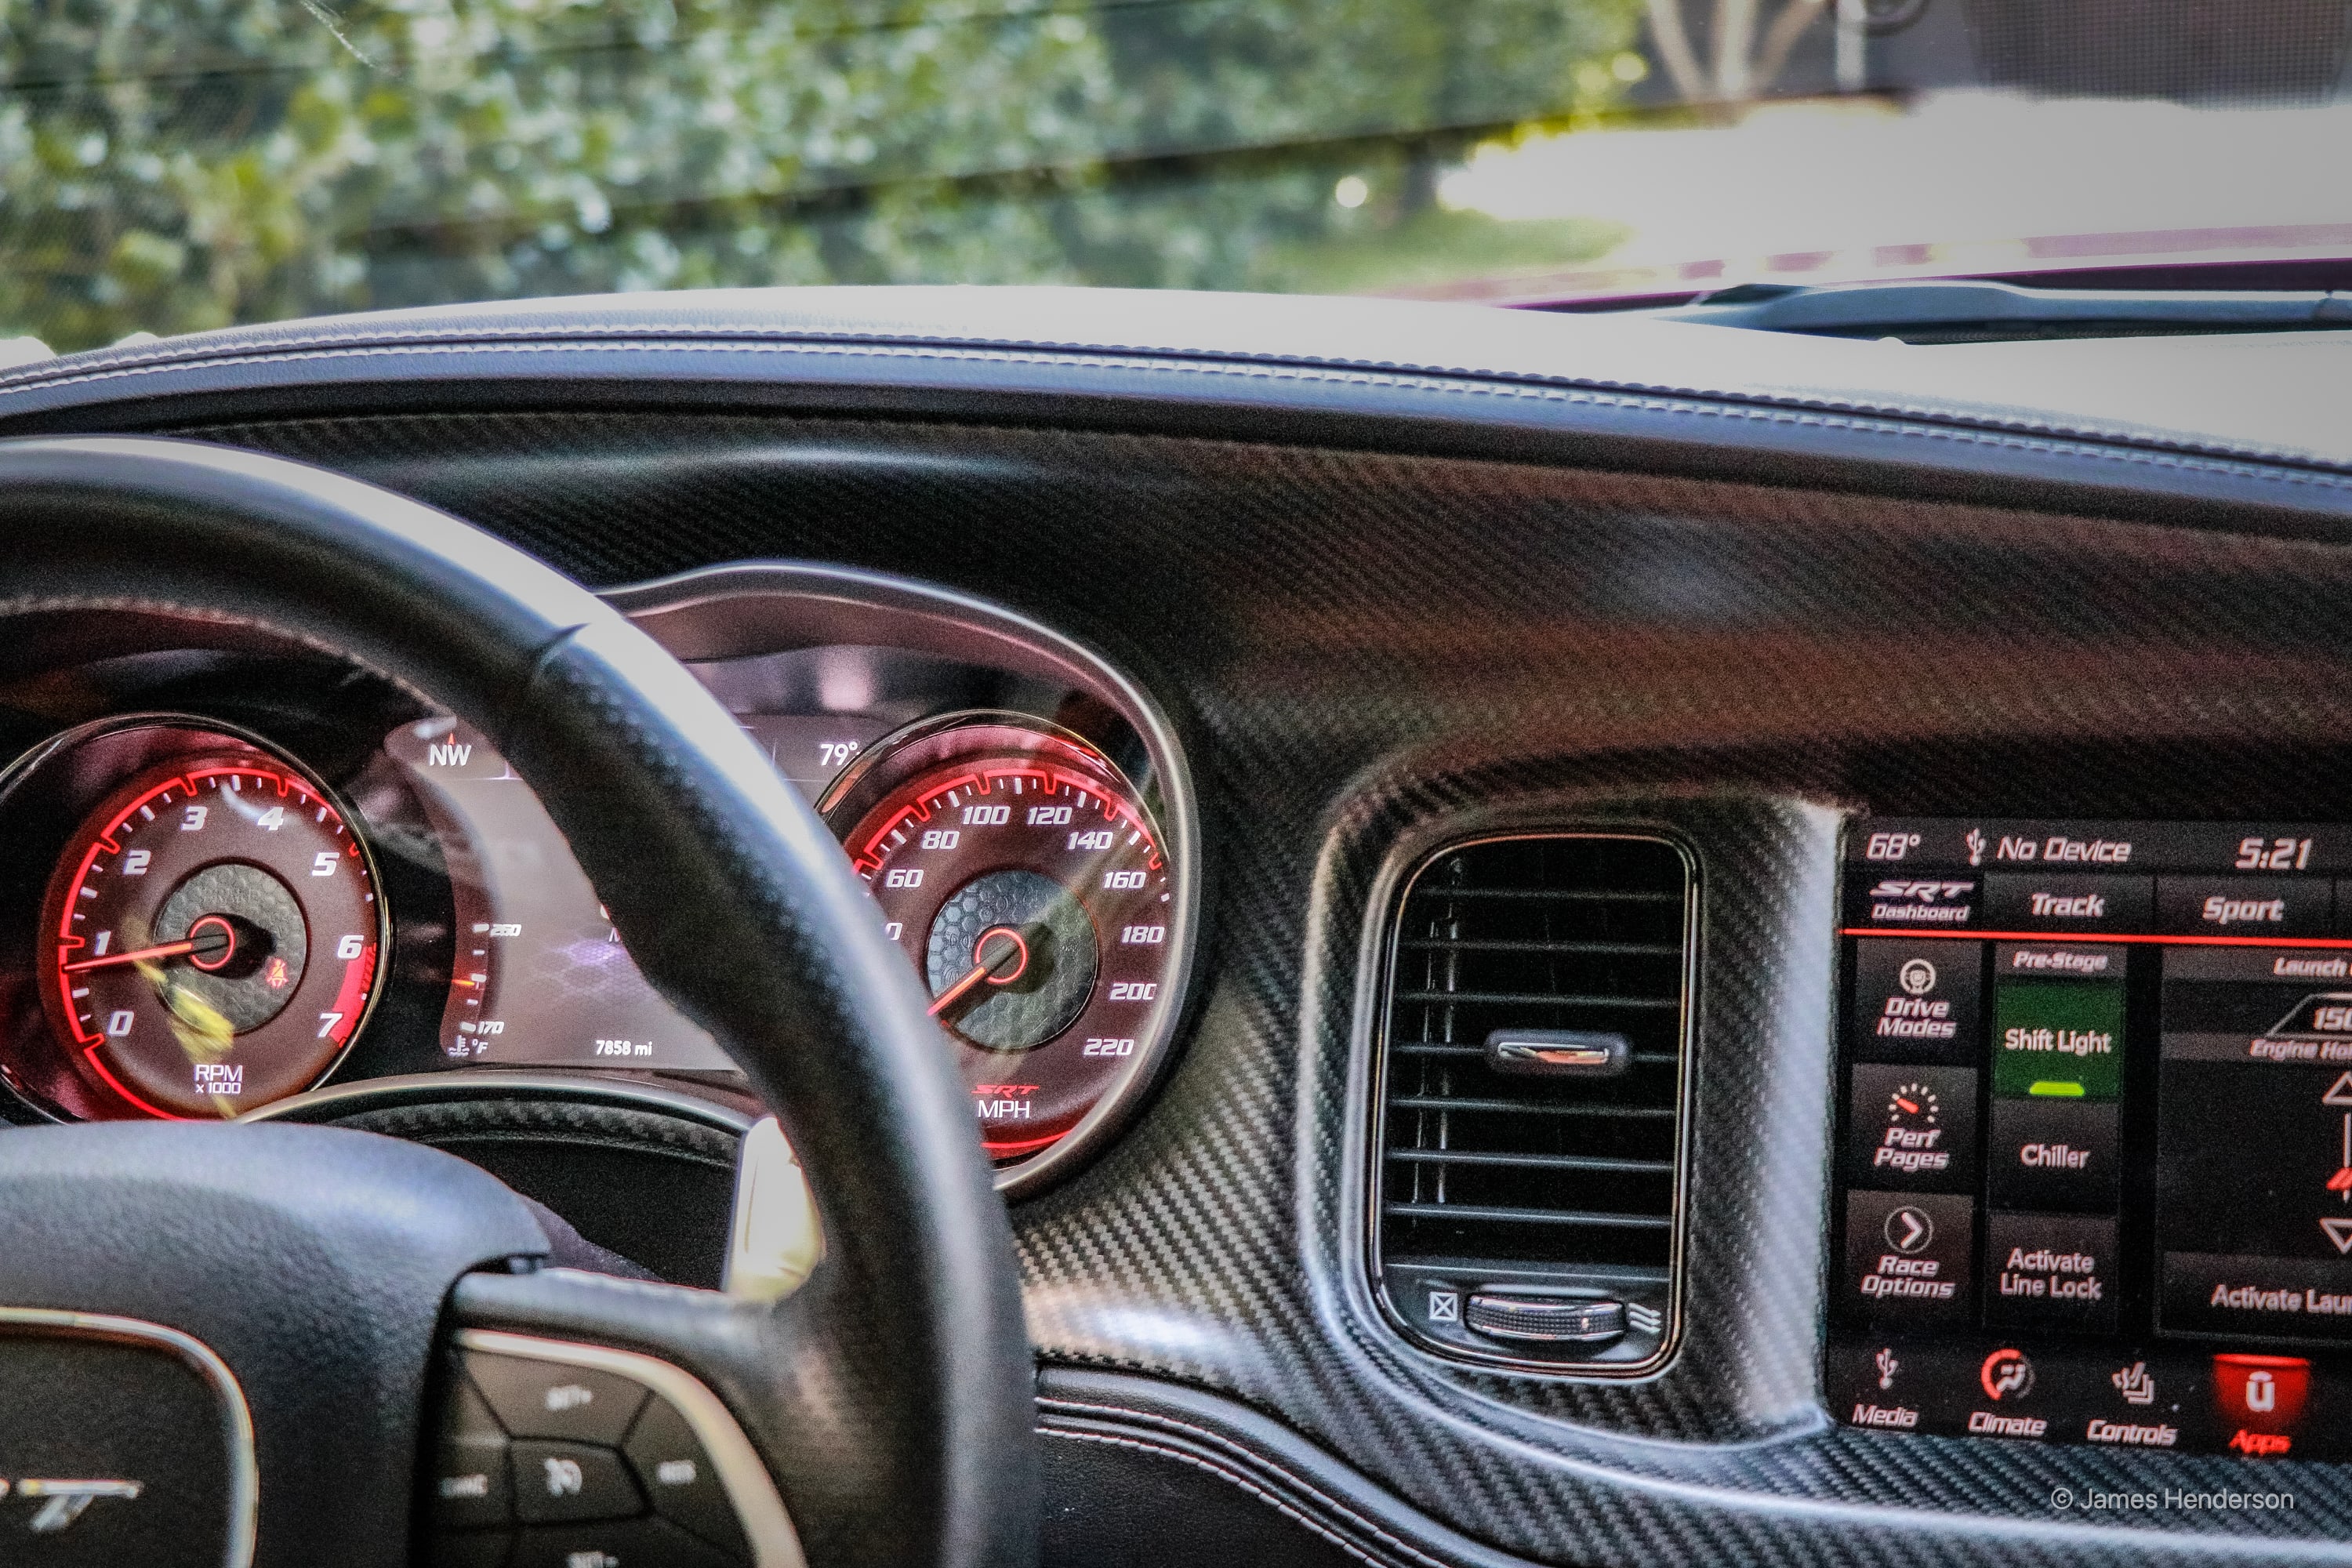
column 1530, row 1093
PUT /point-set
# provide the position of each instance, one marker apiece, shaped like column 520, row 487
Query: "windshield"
column 170, row 167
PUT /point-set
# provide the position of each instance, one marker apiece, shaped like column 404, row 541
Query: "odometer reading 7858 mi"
column 1028, row 885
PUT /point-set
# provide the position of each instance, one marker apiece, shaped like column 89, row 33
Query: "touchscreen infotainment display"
column 2095, row 1177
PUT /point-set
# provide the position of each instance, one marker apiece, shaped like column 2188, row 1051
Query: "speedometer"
column 1024, row 878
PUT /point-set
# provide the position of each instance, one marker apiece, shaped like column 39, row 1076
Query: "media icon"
column 1887, row 1367
column 2006, row 1374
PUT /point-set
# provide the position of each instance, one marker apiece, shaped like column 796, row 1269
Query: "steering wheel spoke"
column 582, row 1418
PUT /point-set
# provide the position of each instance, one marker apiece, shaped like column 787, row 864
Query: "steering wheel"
column 283, row 1306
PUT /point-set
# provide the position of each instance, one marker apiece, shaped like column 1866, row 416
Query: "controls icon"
column 1909, row 1230
column 2006, row 1374
column 2134, row 1383
column 1445, row 1306
column 1887, row 1367
column 1645, row 1320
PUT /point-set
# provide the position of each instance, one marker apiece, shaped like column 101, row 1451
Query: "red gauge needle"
column 169, row 950
column 1909, row 1109
column 211, row 934
column 985, row 966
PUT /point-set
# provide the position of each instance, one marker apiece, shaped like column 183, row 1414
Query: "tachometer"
column 212, row 937
column 1024, row 878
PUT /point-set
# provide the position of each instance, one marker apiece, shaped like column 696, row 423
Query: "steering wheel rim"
column 892, row 1399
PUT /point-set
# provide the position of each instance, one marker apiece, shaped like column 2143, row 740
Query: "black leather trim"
column 1361, row 375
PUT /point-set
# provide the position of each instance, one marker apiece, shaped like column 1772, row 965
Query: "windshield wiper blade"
column 1969, row 310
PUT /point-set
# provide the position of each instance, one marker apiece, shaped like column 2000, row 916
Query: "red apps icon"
column 2261, row 1397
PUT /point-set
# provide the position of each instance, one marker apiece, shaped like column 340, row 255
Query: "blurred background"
column 172, row 167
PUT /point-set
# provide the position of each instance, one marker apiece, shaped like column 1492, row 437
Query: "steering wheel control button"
column 678, row 1475
column 470, row 1486
column 546, row 1399
column 1908, row 1256
column 637, row 1543
column 1916, row 1001
column 562, row 1483
column 1913, row 1127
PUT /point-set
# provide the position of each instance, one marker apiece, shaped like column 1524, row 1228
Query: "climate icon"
column 2006, row 1374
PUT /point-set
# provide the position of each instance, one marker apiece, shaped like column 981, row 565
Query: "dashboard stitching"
column 2249, row 462
column 1234, row 1477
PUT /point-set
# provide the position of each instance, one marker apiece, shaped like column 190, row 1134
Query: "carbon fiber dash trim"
column 1366, row 648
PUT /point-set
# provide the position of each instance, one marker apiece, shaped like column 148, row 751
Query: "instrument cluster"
column 240, row 875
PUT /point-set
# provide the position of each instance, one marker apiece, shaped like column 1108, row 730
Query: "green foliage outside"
column 169, row 167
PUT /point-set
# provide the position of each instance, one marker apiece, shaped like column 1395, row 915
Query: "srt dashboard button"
column 2054, row 1154
column 545, row 1399
column 678, row 1475
column 1908, row 1256
column 558, row 1482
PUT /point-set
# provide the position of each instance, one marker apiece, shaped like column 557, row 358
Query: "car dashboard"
column 1574, row 942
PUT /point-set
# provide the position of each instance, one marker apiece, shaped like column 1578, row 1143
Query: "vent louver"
column 1532, row 1095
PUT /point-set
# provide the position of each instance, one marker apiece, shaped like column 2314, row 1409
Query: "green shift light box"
column 2058, row 1039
